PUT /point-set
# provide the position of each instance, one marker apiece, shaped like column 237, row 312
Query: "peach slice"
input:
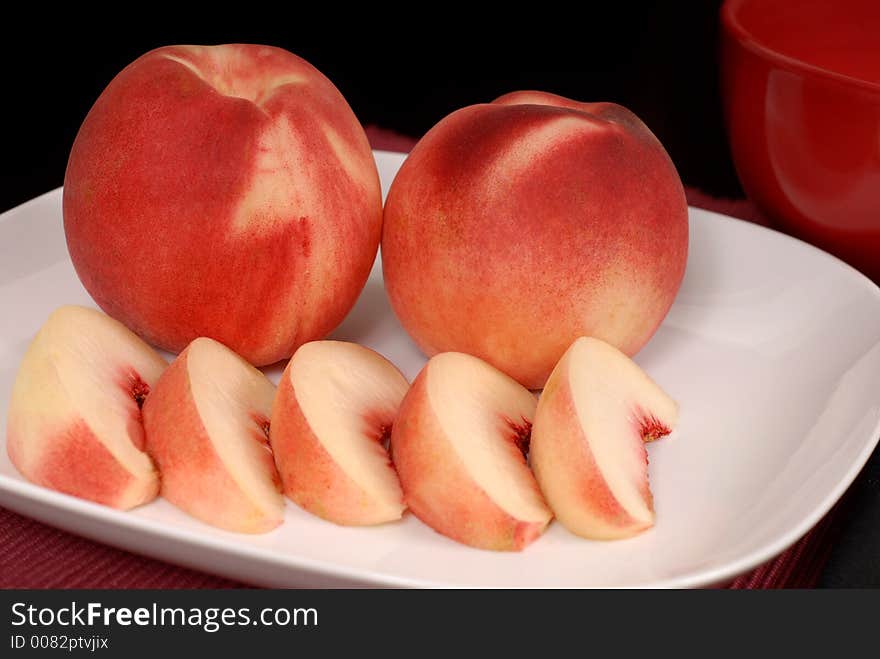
column 207, row 428
column 331, row 421
column 458, row 445
column 588, row 442
column 74, row 422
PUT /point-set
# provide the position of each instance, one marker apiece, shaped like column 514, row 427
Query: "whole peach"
column 223, row 191
column 517, row 226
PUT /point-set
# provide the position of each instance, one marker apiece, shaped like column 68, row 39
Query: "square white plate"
column 772, row 350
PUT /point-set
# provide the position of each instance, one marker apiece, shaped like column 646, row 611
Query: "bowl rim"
column 744, row 37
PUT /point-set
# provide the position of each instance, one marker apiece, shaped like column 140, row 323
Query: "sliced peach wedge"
column 595, row 414
column 459, row 446
column 74, row 422
column 331, row 421
column 207, row 428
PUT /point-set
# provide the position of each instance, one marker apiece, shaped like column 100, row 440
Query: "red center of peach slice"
column 135, row 387
column 378, row 425
column 262, row 432
column 138, row 388
column 521, row 434
column 650, row 428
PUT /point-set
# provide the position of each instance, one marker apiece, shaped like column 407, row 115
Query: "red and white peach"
column 223, row 191
column 514, row 227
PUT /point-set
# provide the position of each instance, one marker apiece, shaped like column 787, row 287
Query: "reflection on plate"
column 772, row 350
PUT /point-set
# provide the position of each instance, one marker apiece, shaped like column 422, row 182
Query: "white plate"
column 772, row 350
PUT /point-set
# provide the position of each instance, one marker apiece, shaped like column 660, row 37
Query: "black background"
column 658, row 59
column 404, row 69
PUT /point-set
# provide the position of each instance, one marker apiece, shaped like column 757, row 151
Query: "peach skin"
column 223, row 191
column 514, row 227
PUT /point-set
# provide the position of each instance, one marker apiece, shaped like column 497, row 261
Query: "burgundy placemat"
column 33, row 555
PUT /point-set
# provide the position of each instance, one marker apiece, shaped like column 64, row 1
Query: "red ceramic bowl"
column 801, row 89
